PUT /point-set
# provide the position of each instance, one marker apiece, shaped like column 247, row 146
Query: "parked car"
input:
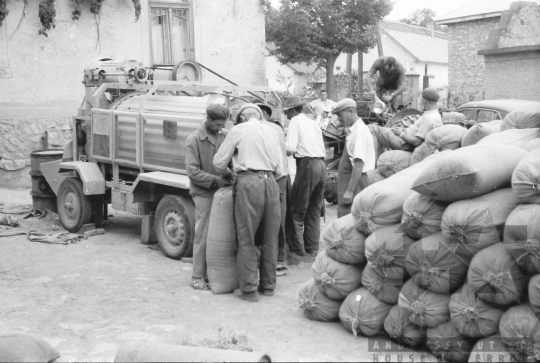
column 489, row 110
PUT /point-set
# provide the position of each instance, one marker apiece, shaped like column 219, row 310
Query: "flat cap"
column 292, row 102
column 264, row 107
column 217, row 112
column 246, row 106
column 430, row 94
column 344, row 104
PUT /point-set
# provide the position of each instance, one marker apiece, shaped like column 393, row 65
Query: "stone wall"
column 465, row 67
column 523, row 28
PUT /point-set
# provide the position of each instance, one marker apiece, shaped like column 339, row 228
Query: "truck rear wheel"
column 74, row 208
column 175, row 226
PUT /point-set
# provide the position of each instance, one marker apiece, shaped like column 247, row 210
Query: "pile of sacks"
column 444, row 253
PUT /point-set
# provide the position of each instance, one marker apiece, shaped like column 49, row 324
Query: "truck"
column 128, row 147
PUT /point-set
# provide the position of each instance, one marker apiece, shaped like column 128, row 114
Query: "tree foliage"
column 421, row 17
column 317, row 31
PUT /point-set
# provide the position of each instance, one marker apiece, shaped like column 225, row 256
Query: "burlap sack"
column 336, row 279
column 399, row 328
column 420, row 153
column 21, row 347
column 488, row 348
column 316, row 305
column 343, row 242
column 479, row 131
column 448, row 344
column 468, row 172
column 512, row 137
column 383, row 288
column 520, row 333
column 527, row 117
column 526, row 179
column 393, row 161
column 445, row 137
column 427, row 308
column 522, row 237
column 422, row 216
column 531, row 145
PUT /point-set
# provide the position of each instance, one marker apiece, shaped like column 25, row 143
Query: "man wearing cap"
column 284, row 183
column 391, row 82
column 404, row 137
column 254, row 150
column 305, row 143
column 201, row 147
column 358, row 156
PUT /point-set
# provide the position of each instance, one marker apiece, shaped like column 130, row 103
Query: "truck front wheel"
column 74, row 208
column 175, row 226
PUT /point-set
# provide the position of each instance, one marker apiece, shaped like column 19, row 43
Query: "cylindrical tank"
column 221, row 244
column 43, row 196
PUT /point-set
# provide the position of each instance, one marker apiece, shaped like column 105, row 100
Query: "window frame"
column 487, row 109
column 173, row 5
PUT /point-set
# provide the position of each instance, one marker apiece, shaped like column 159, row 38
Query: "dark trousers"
column 306, row 199
column 284, row 186
column 257, row 211
column 344, row 177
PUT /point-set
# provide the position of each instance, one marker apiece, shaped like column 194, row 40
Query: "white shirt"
column 304, row 138
column 360, row 145
column 321, row 106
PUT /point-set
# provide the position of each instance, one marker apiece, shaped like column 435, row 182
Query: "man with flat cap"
column 358, row 155
column 254, row 150
column 284, row 183
column 201, row 147
column 408, row 137
column 306, row 144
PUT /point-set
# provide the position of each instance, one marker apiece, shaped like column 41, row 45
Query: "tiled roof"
column 476, row 9
column 407, row 28
column 425, row 48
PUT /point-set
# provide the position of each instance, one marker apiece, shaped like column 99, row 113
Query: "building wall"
column 273, row 68
column 465, row 67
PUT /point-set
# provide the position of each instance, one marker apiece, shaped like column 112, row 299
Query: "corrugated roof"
column 476, row 9
column 424, row 48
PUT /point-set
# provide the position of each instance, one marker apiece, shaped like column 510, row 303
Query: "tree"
column 317, row 31
column 421, row 17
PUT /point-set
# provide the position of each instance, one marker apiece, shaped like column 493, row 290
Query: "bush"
column 474, row 224
column 472, row 316
column 434, row 266
column 522, row 237
column 495, row 278
column 344, row 243
column 426, row 308
column 362, row 313
column 422, row 215
column 399, row 328
column 337, row 279
column 316, row 305
column 468, row 172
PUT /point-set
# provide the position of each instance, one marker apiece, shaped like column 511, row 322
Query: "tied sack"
column 472, row 316
column 381, row 204
column 448, row 344
column 434, row 266
column 426, row 308
column 337, row 279
column 364, row 314
column 383, row 288
column 399, row 328
column 374, row 176
column 534, row 294
column 513, row 137
column 221, row 244
column 422, row 215
column 420, row 153
column 495, row 277
column 386, row 250
column 532, row 145
column 479, row 131
column 522, row 237
column 526, row 179
column 21, row 347
column 487, row 348
column 520, row 333
column 344, row 243
column 468, row 172
column 474, row 224
column 446, row 137
column 316, row 305
column 527, row 117
column 453, row 118
column 393, row 161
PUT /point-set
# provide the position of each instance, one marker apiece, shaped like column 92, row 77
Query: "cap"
column 217, row 112
column 262, row 106
column 430, row 94
column 246, row 106
column 292, row 102
column 344, row 104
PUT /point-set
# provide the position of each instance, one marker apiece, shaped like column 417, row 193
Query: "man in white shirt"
column 322, row 104
column 305, row 143
column 358, row 157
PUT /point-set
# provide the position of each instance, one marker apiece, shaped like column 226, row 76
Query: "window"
column 468, row 113
column 171, row 31
column 485, row 116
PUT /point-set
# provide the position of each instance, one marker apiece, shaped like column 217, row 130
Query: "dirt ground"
column 87, row 298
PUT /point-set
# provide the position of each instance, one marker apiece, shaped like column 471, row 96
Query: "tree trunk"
column 379, row 41
column 360, row 72
column 348, row 67
column 330, row 89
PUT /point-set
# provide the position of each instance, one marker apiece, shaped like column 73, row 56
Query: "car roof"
column 499, row 105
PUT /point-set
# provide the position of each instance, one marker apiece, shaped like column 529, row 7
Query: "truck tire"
column 175, row 226
column 74, row 208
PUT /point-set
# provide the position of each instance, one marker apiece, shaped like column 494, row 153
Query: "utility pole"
column 348, row 67
column 379, row 41
column 360, row 72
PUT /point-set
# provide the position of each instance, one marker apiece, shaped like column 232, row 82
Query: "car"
column 489, row 110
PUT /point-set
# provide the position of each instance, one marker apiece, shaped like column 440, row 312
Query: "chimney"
column 429, row 26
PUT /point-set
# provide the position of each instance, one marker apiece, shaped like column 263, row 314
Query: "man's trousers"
column 203, row 206
column 257, row 208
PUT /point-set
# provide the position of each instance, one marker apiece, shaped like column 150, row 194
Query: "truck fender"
column 90, row 174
